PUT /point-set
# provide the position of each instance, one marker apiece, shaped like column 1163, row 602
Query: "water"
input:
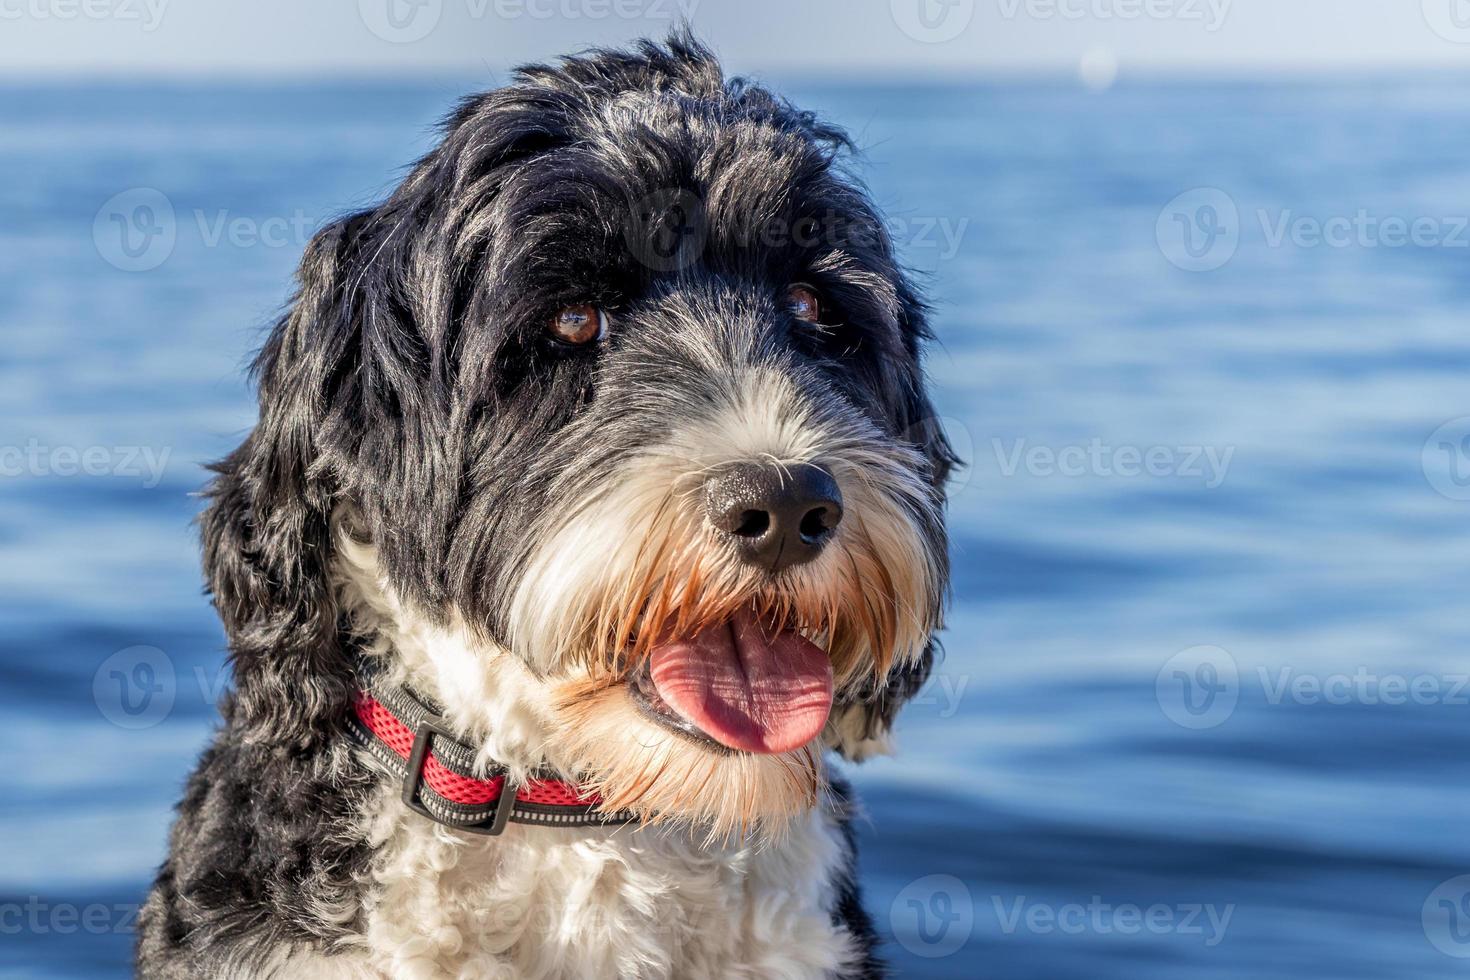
column 1094, row 825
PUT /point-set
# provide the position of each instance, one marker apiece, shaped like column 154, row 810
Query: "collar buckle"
column 413, row 780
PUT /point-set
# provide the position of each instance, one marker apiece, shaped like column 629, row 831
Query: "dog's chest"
column 613, row 902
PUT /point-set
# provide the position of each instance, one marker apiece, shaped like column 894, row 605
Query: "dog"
column 595, row 503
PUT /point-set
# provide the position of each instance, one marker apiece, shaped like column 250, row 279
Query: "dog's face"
column 625, row 377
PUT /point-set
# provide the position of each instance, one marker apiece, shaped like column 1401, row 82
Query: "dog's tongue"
column 747, row 687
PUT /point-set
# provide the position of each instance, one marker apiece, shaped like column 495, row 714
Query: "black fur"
column 412, row 387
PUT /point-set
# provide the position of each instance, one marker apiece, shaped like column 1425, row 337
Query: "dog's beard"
column 634, row 566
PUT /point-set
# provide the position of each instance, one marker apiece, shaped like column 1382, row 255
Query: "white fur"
column 848, row 733
column 629, row 901
column 696, row 896
column 598, row 902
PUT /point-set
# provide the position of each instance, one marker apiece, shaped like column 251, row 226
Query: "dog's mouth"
column 739, row 684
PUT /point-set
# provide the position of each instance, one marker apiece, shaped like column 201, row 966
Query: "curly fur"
column 509, row 524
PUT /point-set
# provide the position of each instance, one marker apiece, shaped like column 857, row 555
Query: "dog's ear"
column 862, row 722
column 267, row 530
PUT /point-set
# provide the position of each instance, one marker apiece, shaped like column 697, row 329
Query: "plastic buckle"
column 413, row 779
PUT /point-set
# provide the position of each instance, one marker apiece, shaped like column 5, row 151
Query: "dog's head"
column 623, row 381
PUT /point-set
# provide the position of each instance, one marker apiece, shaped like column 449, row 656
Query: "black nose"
column 777, row 516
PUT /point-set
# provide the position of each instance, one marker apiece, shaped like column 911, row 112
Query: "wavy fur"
column 510, row 524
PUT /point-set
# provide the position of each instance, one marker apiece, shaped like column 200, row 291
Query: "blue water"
column 1107, row 766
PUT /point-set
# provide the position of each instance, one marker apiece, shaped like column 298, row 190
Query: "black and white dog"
column 595, row 496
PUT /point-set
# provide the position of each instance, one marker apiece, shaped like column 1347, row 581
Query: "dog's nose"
column 776, row 516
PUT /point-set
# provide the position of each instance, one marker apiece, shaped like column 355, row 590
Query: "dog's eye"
column 580, row 324
column 802, row 300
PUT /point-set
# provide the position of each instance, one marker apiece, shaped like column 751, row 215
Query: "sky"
column 1099, row 38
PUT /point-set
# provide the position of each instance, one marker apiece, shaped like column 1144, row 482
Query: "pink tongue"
column 745, row 687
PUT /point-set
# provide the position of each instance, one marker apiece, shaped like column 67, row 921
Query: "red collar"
column 441, row 780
